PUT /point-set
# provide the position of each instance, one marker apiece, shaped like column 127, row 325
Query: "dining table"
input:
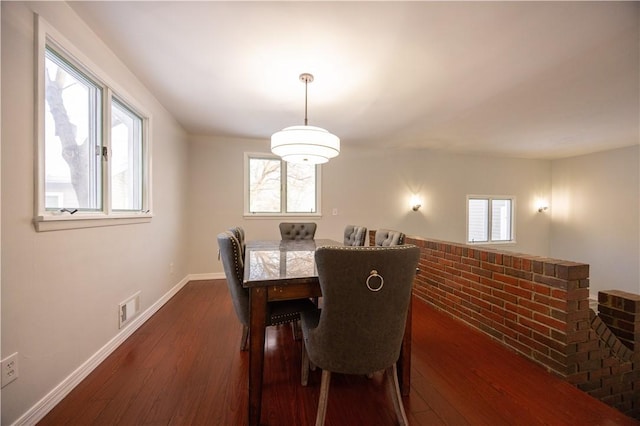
column 285, row 270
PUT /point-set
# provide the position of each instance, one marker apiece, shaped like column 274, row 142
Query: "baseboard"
column 46, row 404
column 208, row 276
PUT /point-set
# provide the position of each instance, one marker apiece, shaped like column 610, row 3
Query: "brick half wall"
column 537, row 307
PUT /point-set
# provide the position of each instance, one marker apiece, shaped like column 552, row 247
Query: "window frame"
column 283, row 189
column 49, row 219
column 490, row 199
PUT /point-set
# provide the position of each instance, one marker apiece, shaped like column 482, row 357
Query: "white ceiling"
column 524, row 79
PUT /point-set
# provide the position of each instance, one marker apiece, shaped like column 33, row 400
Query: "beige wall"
column 370, row 188
column 593, row 214
column 595, row 210
column 61, row 289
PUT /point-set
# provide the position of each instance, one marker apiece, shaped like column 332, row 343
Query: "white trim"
column 57, row 223
column 490, row 198
column 46, row 34
column 207, row 276
column 262, row 215
column 57, row 394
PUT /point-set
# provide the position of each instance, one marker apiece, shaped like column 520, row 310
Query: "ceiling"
column 523, row 79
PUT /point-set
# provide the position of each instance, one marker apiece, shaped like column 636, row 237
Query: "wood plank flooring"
column 184, row 367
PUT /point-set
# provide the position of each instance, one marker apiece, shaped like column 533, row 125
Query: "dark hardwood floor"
column 184, row 367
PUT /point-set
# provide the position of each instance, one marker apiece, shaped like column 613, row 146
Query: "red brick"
column 489, row 282
column 537, row 267
column 482, row 272
column 519, row 347
column 550, row 280
column 505, row 279
column 536, row 307
column 553, row 323
column 549, row 269
column 558, row 293
column 471, row 277
column 487, row 266
column 572, row 271
column 521, row 329
column 549, row 342
column 541, row 289
column 535, row 326
column 493, row 300
column 519, row 291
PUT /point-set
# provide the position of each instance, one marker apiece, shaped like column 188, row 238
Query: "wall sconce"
column 542, row 209
column 416, row 203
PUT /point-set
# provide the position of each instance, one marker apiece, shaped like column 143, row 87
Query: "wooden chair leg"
column 324, row 396
column 394, row 389
column 244, row 342
column 304, row 372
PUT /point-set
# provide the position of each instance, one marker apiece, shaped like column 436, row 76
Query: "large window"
column 93, row 143
column 276, row 188
column 73, row 137
column 490, row 219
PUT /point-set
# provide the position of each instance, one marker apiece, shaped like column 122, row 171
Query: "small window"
column 126, row 158
column 490, row 219
column 276, row 188
column 93, row 143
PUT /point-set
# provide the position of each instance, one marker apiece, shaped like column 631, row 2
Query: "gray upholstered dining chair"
column 238, row 232
column 280, row 312
column 298, row 230
column 387, row 237
column 355, row 235
column 359, row 330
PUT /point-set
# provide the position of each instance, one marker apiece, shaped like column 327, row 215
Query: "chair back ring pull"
column 373, row 274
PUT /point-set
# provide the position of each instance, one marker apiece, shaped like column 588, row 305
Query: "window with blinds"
column 489, row 219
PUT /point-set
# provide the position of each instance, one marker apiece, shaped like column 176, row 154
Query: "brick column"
column 621, row 312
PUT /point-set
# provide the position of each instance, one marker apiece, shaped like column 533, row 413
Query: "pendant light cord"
column 306, row 83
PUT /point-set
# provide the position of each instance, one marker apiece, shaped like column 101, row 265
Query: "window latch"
column 102, row 151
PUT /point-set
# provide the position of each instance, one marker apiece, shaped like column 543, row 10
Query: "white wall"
column 61, row 289
column 595, row 210
column 370, row 188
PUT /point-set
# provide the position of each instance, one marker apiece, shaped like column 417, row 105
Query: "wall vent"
column 128, row 310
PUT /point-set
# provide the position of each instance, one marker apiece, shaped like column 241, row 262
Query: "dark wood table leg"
column 404, row 363
column 257, row 320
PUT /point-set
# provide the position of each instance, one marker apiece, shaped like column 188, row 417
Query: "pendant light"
column 305, row 144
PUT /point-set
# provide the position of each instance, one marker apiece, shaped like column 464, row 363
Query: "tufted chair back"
column 355, row 319
column 359, row 330
column 279, row 312
column 238, row 232
column 355, row 235
column 297, row 230
column 386, row 237
column 233, row 264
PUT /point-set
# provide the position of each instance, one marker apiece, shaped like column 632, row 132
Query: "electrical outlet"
column 171, row 268
column 9, row 367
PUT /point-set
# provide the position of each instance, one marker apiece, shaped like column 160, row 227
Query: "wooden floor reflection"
column 184, row 367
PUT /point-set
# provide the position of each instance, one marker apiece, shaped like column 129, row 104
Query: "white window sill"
column 280, row 215
column 492, row 243
column 55, row 222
